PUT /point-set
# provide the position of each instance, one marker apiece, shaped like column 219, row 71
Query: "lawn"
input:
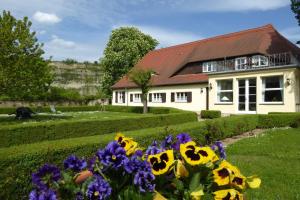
column 275, row 157
column 67, row 116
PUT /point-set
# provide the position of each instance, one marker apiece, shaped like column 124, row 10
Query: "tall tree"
column 142, row 78
column 126, row 46
column 24, row 74
column 295, row 6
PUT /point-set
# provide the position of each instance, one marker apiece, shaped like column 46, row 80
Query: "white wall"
column 198, row 98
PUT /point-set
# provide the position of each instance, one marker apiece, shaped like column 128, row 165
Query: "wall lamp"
column 288, row 82
column 210, row 86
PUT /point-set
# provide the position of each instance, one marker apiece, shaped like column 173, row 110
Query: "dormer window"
column 259, row 61
column 209, row 66
column 241, row 63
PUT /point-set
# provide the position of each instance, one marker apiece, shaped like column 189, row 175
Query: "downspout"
column 126, row 91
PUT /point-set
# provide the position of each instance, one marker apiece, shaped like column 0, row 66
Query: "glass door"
column 247, row 95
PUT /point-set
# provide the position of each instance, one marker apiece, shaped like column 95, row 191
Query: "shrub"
column 30, row 133
column 277, row 120
column 210, row 114
column 62, row 94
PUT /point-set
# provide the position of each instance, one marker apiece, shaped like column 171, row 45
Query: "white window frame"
column 219, row 91
column 264, row 89
column 137, row 98
column 121, row 97
column 209, row 66
column 181, row 97
column 156, row 97
column 241, row 65
column 257, row 61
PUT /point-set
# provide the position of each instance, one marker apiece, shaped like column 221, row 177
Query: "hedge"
column 278, row 120
column 35, row 132
column 210, row 114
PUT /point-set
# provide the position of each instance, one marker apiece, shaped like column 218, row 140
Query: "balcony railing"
column 255, row 62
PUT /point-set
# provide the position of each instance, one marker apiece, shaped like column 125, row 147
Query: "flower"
column 219, row 146
column 83, row 176
column 144, row 179
column 47, row 169
column 161, row 162
column 229, row 194
column 74, row 163
column 195, row 155
column 181, row 171
column 135, row 164
column 42, row 195
column 253, row 182
column 79, row 196
column 98, row 189
column 167, row 142
column 127, row 143
column 196, row 195
column 182, row 138
column 153, row 149
column 113, row 155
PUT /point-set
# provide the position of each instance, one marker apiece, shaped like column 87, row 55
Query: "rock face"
column 84, row 77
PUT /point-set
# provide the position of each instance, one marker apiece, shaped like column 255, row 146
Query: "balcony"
column 255, row 62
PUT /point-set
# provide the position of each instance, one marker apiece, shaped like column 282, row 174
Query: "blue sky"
column 80, row 29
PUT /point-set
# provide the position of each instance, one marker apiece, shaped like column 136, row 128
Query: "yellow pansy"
column 196, row 195
column 229, row 194
column 161, row 162
column 128, row 144
column 158, row 196
column 180, row 170
column 195, row 155
column 253, row 182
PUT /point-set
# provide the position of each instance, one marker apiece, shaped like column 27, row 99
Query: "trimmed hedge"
column 277, row 120
column 210, row 114
column 29, row 133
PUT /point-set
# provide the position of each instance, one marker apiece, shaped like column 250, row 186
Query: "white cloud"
column 57, row 42
column 47, row 18
column 41, row 32
column 166, row 37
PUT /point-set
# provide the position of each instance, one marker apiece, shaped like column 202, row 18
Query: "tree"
column 126, row 46
column 24, row 74
column 142, row 78
column 295, row 6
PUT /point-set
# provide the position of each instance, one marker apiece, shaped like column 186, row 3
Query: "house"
column 251, row 71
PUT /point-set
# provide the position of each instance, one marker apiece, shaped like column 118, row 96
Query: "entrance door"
column 247, row 95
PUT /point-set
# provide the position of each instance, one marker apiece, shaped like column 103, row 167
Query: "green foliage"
column 295, row 6
column 210, row 114
column 24, row 74
column 126, row 46
column 70, row 61
column 62, row 94
column 52, row 130
column 277, row 120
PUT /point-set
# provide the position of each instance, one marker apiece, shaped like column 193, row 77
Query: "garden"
column 51, row 138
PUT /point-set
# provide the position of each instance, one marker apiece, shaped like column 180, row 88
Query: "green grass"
column 68, row 116
column 275, row 158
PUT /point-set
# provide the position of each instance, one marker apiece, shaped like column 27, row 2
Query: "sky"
column 80, row 29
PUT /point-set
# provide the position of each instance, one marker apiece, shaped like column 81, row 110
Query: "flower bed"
column 171, row 169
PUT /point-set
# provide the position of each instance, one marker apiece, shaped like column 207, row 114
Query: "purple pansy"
column 79, row 196
column 167, row 142
column 74, row 163
column 113, row 155
column 144, row 180
column 220, row 148
column 98, row 189
column 49, row 171
column 153, row 149
column 135, row 164
column 181, row 139
column 42, row 195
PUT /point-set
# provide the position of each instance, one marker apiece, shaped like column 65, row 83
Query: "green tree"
column 126, row 46
column 142, row 78
column 295, row 6
column 24, row 74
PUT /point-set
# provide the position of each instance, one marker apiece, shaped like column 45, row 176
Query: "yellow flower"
column 161, row 162
column 227, row 174
column 195, row 155
column 196, row 195
column 128, row 144
column 180, row 170
column 229, row 194
column 253, row 182
column 158, row 196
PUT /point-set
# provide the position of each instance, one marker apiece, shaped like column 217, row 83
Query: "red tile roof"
column 166, row 61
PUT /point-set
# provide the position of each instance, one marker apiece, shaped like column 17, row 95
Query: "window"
column 157, row 97
column 272, row 89
column 240, row 63
column 209, row 66
column 137, row 98
column 181, row 97
column 120, row 97
column 225, row 91
column 259, row 61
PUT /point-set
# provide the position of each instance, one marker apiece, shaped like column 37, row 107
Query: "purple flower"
column 42, row 195
column 218, row 146
column 181, row 139
column 134, row 164
column 167, row 142
column 74, row 163
column 144, row 179
column 79, row 196
column 153, row 149
column 98, row 189
column 113, row 155
column 138, row 153
column 51, row 173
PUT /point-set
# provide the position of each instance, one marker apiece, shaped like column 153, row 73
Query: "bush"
column 62, row 94
column 29, row 133
column 277, row 120
column 210, row 114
